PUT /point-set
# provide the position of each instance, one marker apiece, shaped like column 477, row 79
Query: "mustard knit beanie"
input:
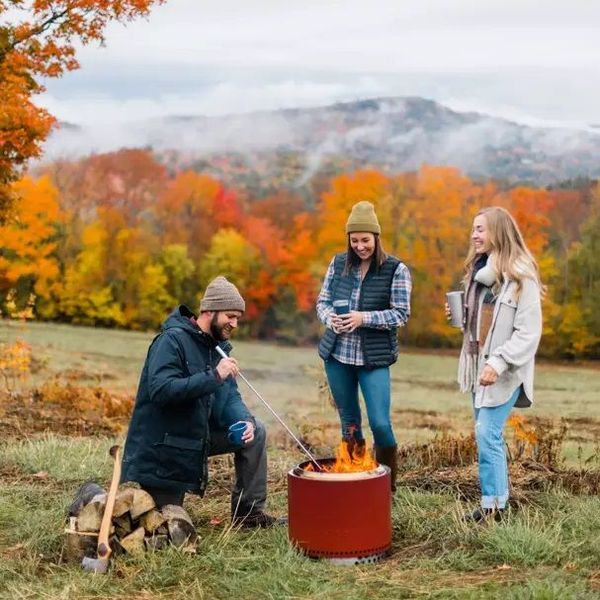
column 363, row 218
column 222, row 295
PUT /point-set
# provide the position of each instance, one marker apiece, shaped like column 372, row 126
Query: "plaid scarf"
column 476, row 327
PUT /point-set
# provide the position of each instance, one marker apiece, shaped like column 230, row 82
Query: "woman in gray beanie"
column 365, row 297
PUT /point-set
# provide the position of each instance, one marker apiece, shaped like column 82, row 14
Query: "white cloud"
column 222, row 56
column 355, row 35
column 222, row 98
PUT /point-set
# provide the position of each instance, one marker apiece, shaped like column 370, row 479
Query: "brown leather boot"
column 388, row 456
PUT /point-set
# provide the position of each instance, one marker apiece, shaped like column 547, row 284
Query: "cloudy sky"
column 537, row 62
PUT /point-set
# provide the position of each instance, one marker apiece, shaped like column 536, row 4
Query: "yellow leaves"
column 521, row 430
column 28, row 240
column 92, row 402
column 525, row 436
column 231, row 255
column 94, row 235
column 15, row 363
column 41, row 44
column 154, row 300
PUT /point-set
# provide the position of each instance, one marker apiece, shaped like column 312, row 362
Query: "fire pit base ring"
column 359, row 560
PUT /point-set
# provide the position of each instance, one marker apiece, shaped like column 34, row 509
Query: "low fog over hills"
column 393, row 134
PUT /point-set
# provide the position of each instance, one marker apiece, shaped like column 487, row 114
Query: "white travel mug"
column 455, row 303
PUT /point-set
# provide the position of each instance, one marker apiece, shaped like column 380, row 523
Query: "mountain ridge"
column 392, row 133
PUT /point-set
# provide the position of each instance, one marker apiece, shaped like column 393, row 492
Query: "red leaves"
column 41, row 45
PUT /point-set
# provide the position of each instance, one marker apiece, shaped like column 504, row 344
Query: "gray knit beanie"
column 363, row 218
column 222, row 295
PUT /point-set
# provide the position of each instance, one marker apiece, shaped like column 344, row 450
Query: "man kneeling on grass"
column 186, row 401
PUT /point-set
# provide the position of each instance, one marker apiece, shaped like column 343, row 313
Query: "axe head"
column 94, row 565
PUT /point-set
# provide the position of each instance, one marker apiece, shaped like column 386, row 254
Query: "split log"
column 78, row 545
column 134, row 542
column 123, row 525
column 123, row 502
column 136, row 524
column 157, row 542
column 115, row 545
column 90, row 517
column 141, row 503
column 152, row 520
column 181, row 529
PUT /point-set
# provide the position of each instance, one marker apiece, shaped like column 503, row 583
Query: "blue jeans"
column 375, row 386
column 493, row 469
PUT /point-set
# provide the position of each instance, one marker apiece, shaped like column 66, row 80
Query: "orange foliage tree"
column 27, row 256
column 129, row 241
column 37, row 39
column 335, row 205
column 184, row 212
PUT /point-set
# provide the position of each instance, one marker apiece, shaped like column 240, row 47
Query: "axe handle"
column 104, row 550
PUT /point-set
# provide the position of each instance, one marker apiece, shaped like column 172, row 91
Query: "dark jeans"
column 249, row 492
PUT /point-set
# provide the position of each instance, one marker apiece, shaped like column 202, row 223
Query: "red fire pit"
column 345, row 517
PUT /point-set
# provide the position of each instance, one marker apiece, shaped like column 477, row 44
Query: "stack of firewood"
column 137, row 525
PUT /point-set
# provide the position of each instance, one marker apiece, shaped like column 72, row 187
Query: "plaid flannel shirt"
column 348, row 348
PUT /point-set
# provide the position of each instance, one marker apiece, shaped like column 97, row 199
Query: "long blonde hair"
column 509, row 255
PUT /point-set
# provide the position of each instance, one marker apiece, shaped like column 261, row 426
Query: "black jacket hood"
column 181, row 318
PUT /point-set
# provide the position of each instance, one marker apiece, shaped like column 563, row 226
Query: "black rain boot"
column 485, row 515
column 388, row 456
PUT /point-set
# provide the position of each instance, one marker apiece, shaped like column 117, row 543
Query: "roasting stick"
column 302, row 446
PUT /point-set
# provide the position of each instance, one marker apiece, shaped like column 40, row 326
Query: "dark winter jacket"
column 180, row 399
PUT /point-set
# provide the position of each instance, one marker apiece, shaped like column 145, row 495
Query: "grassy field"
column 549, row 547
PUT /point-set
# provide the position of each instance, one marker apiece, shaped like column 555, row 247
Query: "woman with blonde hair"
column 502, row 325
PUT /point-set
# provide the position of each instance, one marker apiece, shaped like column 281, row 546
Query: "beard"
column 218, row 331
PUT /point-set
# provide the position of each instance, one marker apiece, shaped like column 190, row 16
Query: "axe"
column 100, row 563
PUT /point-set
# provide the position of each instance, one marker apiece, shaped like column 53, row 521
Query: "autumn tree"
column 576, row 322
column 184, row 212
column 232, row 255
column 280, row 208
column 335, row 205
column 28, row 263
column 37, row 40
column 128, row 180
column 179, row 270
column 84, row 294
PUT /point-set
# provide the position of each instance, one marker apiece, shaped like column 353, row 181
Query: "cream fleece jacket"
column 511, row 345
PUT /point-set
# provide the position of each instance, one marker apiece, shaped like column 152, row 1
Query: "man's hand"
column 248, row 434
column 353, row 320
column 488, row 376
column 227, row 367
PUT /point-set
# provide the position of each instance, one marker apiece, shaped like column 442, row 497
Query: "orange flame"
column 360, row 458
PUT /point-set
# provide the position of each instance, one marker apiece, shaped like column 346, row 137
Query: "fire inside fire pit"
column 348, row 462
column 340, row 515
